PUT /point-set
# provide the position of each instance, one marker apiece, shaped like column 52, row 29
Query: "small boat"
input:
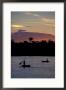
column 24, row 65
column 46, row 61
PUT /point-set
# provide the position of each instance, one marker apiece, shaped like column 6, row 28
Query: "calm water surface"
column 37, row 69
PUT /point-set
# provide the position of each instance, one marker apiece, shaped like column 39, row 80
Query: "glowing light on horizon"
column 17, row 26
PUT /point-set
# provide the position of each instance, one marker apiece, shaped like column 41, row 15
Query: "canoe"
column 25, row 66
column 46, row 61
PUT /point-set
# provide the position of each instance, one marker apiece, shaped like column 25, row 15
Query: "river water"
column 38, row 68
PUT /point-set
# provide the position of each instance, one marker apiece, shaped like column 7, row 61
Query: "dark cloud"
column 21, row 30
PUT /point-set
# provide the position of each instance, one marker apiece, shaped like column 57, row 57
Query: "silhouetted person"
column 47, row 60
column 24, row 62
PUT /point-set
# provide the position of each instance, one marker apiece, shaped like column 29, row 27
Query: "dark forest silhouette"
column 33, row 48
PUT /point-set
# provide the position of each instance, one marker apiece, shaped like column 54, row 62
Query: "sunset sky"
column 36, row 22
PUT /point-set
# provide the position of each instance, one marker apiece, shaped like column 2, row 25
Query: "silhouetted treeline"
column 33, row 48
